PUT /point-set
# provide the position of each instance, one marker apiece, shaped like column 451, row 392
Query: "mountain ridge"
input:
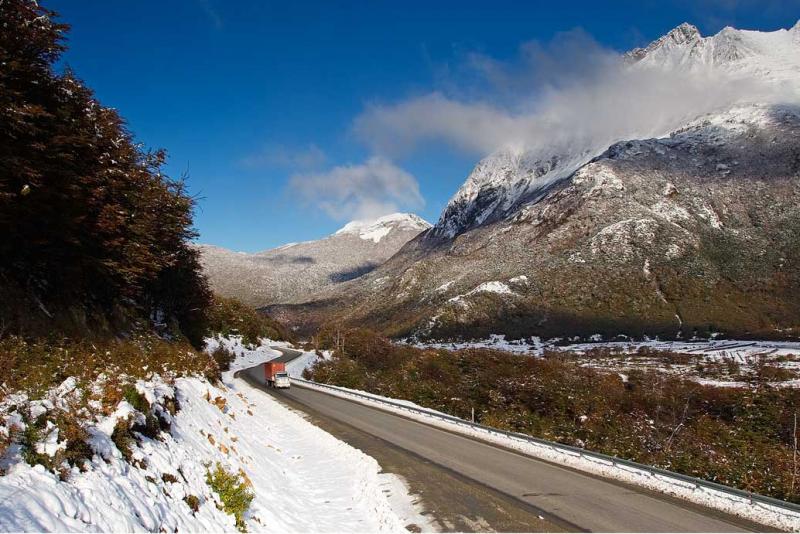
column 291, row 272
column 510, row 177
column 689, row 234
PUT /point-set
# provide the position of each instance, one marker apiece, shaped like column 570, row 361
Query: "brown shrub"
column 736, row 436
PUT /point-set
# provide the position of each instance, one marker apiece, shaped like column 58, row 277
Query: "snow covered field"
column 698, row 361
column 303, row 479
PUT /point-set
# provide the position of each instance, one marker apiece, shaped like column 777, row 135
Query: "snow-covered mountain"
column 690, row 230
column 770, row 55
column 759, row 67
column 377, row 229
column 290, row 273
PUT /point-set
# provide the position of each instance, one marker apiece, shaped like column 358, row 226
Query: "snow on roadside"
column 381, row 488
column 303, row 479
column 705, row 496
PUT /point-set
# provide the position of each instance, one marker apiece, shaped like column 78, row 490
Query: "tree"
column 93, row 232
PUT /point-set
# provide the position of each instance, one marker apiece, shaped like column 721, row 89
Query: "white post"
column 473, row 416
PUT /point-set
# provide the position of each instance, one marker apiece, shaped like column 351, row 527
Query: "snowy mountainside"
column 765, row 63
column 770, row 55
column 503, row 182
column 694, row 232
column 377, row 229
column 290, row 273
column 303, row 479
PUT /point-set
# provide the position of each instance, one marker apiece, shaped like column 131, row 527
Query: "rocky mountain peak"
column 684, row 33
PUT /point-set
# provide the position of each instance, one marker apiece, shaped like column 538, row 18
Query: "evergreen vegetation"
column 234, row 493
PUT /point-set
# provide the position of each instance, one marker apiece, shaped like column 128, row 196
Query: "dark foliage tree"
column 93, row 234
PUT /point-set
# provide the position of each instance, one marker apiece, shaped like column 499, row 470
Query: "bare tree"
column 680, row 424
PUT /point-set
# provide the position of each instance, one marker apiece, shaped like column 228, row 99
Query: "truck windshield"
column 281, row 375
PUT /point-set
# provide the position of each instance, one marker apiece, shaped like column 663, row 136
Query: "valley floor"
column 303, row 479
column 730, row 363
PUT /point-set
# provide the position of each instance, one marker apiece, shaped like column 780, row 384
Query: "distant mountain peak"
column 376, row 229
column 684, row 33
column 295, row 271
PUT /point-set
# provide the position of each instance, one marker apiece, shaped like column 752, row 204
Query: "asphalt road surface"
column 561, row 497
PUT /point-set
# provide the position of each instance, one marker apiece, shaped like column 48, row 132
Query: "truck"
column 275, row 375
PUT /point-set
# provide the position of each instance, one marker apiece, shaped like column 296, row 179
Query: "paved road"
column 580, row 501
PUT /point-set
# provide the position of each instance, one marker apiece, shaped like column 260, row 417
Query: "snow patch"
column 375, row 230
column 444, row 287
column 487, row 287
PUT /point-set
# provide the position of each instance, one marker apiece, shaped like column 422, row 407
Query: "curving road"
column 564, row 498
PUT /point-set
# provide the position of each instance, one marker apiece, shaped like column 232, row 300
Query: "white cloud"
column 359, row 192
column 571, row 94
column 309, row 157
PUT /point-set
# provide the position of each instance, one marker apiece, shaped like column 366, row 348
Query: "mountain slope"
column 292, row 272
column 692, row 231
column 695, row 232
column 758, row 66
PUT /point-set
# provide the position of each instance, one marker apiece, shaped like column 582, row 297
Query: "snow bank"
column 303, row 479
column 744, row 507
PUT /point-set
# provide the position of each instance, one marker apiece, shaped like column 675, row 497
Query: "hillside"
column 111, row 419
column 689, row 232
column 291, row 273
column 95, row 236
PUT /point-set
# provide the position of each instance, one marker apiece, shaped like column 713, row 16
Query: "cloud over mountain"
column 567, row 94
column 368, row 190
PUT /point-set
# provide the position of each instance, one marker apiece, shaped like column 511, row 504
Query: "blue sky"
column 246, row 95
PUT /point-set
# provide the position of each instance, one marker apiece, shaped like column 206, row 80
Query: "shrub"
column 223, row 357
column 652, row 418
column 192, row 502
column 234, row 493
column 228, row 316
column 38, row 365
column 123, row 438
column 135, row 399
column 71, row 429
column 29, row 438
